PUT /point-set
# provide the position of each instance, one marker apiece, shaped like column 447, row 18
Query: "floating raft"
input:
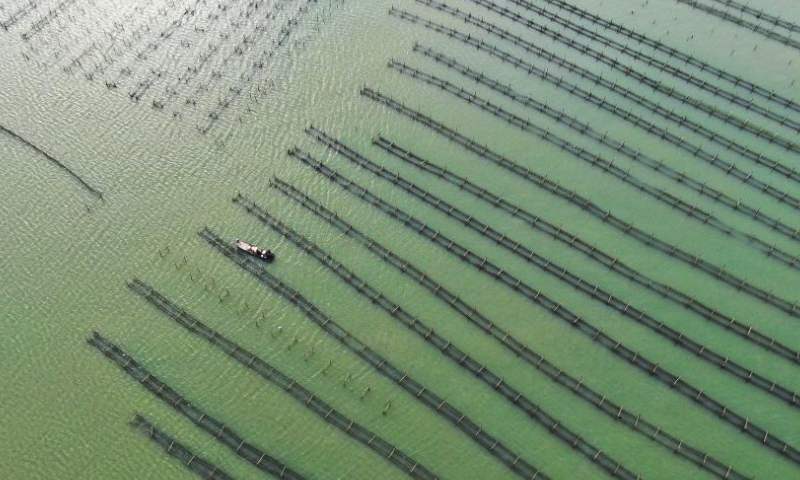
column 311, row 401
column 555, row 188
column 460, row 420
column 54, row 161
column 593, row 291
column 647, row 366
column 473, row 315
column 211, row 425
column 494, row 381
column 199, row 466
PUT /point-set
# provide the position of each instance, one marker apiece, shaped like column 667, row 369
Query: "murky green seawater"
column 65, row 256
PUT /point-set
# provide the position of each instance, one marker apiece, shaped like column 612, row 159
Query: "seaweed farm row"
column 480, row 370
column 596, row 292
column 584, row 203
column 647, row 366
column 612, row 86
column 680, row 177
column 221, row 432
column 687, row 58
column 697, row 151
column 534, row 243
column 221, row 53
column 613, row 63
column 602, row 402
column 175, row 449
column 718, row 272
column 636, row 55
column 760, row 15
column 743, row 22
column 94, row 191
column 310, row 400
column 448, row 348
column 663, row 134
column 513, row 460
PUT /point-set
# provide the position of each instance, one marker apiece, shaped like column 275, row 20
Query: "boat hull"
column 255, row 251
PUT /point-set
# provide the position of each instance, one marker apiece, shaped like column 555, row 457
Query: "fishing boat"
column 255, row 250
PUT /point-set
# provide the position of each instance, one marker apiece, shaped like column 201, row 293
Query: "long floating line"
column 688, row 59
column 635, row 155
column 394, row 455
column 650, row 127
column 760, row 15
column 601, row 402
column 586, row 156
column 520, row 42
column 553, row 425
column 54, row 161
column 602, row 58
column 674, row 382
column 755, row 27
column 593, row 291
column 476, row 433
column 659, row 194
column 585, row 204
column 604, row 139
column 704, row 189
column 173, row 448
column 216, row 428
column 636, row 55
column 596, row 160
column 748, row 332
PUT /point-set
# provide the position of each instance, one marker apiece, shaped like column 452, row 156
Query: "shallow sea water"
column 207, row 126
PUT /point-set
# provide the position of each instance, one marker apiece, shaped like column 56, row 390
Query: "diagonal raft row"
column 442, row 407
column 647, row 366
column 593, row 291
column 555, row 373
column 311, row 401
column 695, row 261
column 449, row 349
column 211, row 425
